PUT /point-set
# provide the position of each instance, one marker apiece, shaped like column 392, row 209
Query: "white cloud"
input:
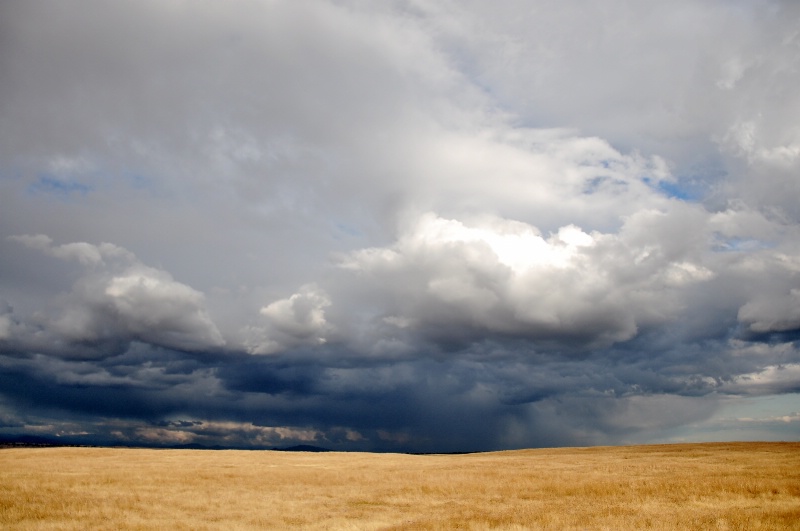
column 226, row 432
column 779, row 313
column 772, row 379
column 157, row 309
column 503, row 276
column 792, row 417
column 119, row 299
column 85, row 253
column 294, row 321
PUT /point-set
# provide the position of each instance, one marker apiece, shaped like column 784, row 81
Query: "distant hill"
column 28, row 441
column 302, row 448
column 196, row 446
column 296, row 448
column 34, row 441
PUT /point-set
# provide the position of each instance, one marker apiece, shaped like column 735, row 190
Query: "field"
column 691, row 486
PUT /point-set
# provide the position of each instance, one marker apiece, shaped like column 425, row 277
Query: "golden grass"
column 691, row 486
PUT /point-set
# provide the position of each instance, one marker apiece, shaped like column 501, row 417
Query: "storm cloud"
column 412, row 225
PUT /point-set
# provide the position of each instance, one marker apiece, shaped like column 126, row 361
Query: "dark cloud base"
column 486, row 397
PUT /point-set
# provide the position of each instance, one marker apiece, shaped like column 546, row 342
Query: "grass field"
column 692, row 486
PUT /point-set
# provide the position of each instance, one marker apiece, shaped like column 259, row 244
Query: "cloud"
column 291, row 322
column 6, row 322
column 116, row 300
column 770, row 379
column 409, row 225
column 778, row 314
column 504, row 276
column 792, row 417
column 83, row 252
column 231, row 434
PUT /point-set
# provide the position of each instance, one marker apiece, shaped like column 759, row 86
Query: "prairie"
column 684, row 486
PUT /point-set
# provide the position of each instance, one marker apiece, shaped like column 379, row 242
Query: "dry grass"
column 694, row 486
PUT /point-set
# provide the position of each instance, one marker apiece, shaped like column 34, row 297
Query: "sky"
column 410, row 225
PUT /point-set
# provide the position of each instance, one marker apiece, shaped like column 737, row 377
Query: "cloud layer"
column 427, row 226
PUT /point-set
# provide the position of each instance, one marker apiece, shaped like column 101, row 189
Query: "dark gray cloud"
column 417, row 225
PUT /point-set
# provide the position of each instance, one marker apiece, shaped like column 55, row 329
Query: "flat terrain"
column 691, row 486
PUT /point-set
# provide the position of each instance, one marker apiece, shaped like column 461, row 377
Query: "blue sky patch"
column 63, row 188
column 675, row 190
